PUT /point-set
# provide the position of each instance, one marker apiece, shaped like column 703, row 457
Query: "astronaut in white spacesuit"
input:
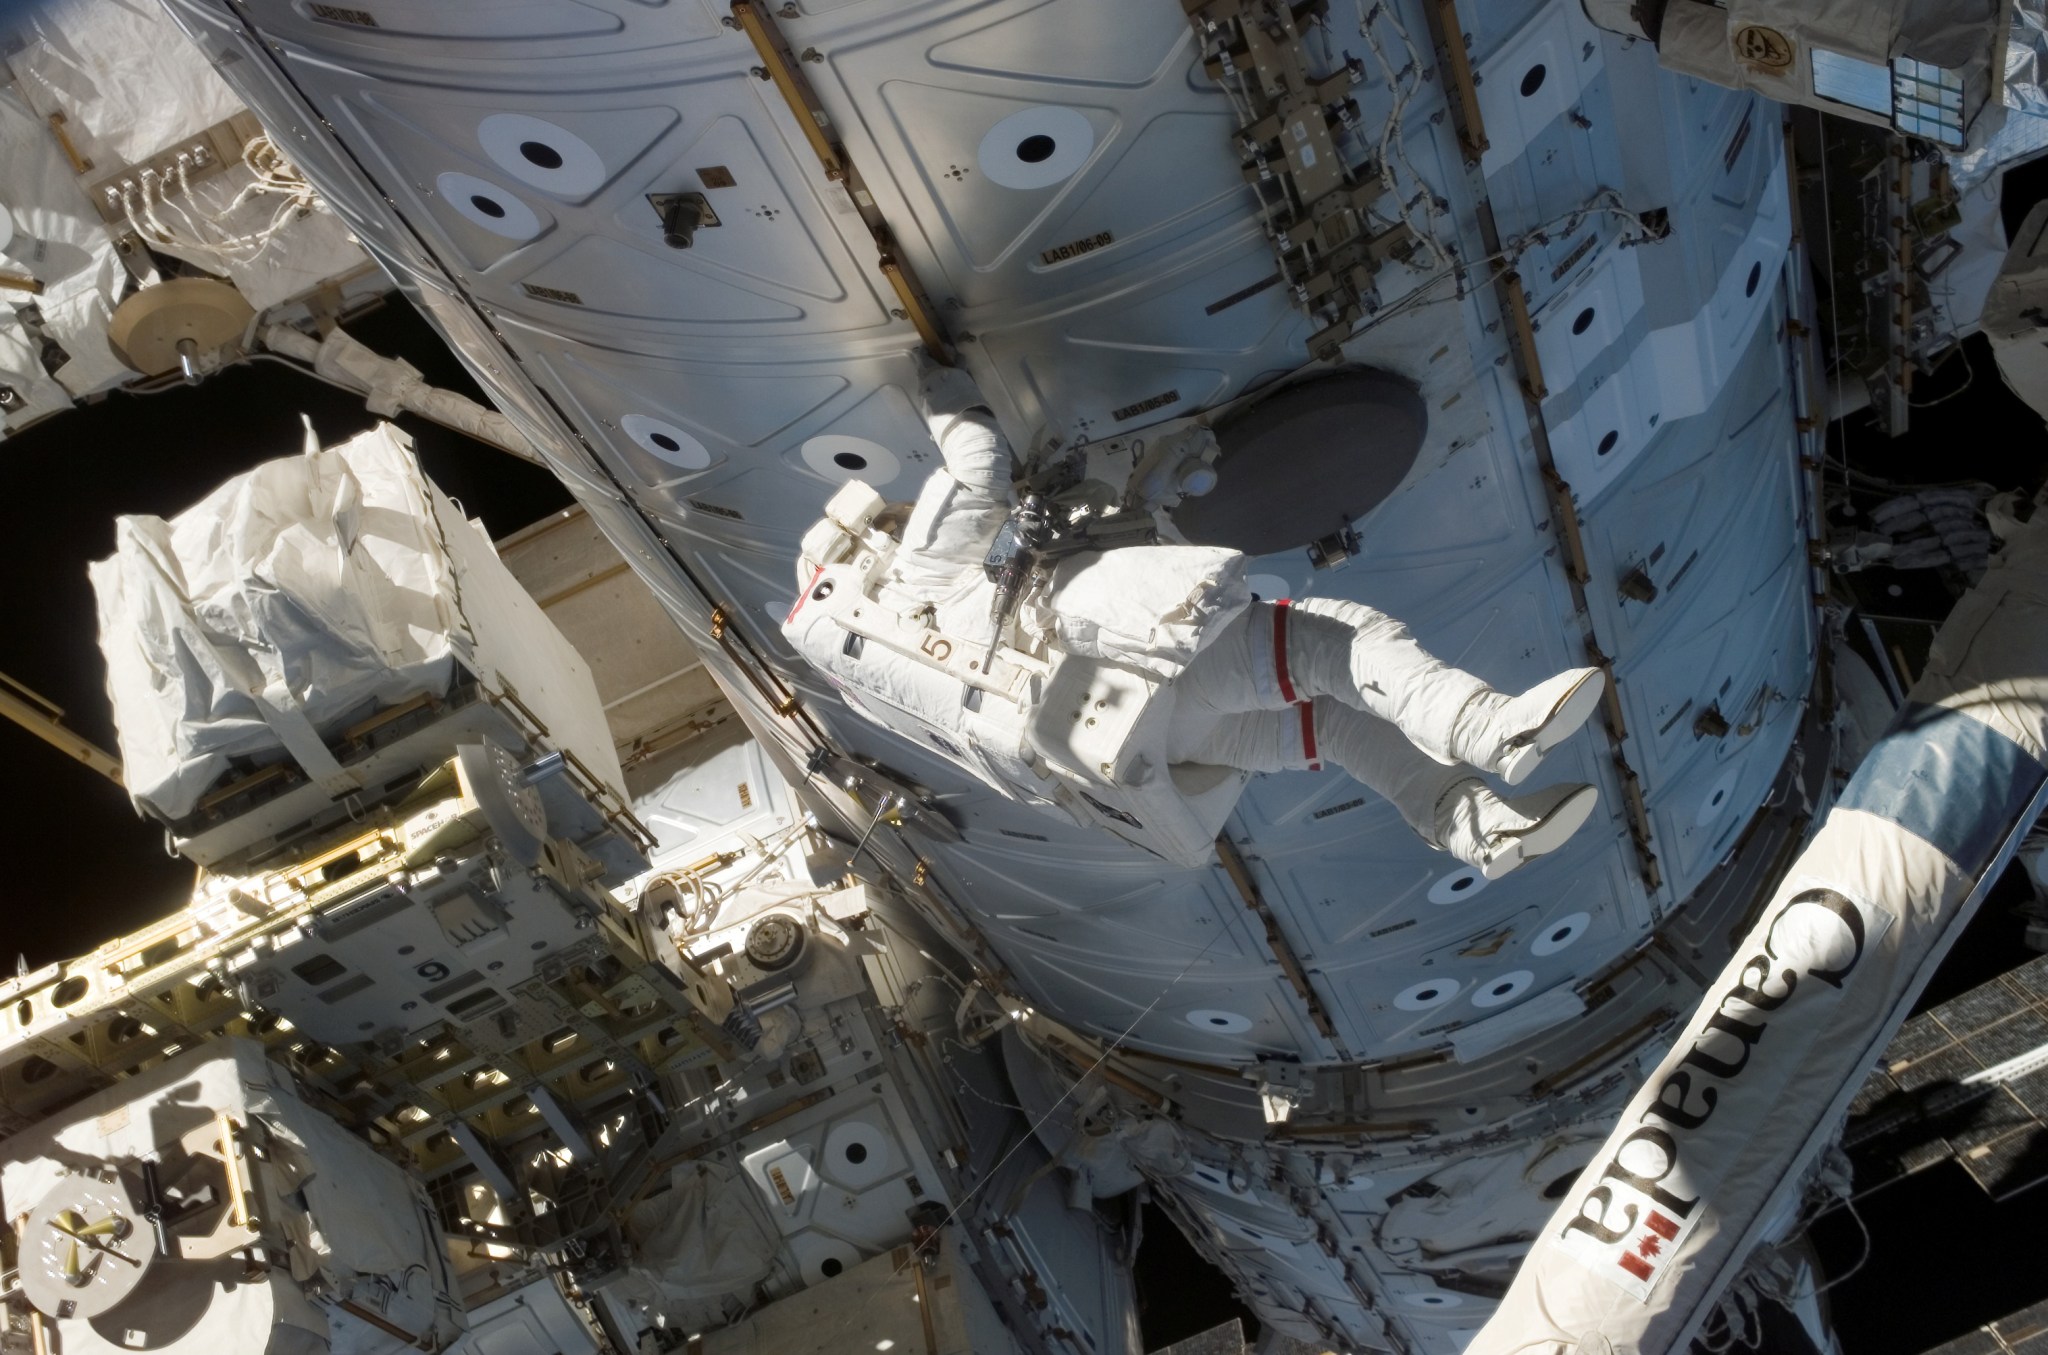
column 1204, row 675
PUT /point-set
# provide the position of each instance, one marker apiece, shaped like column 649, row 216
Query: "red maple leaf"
column 1649, row 1246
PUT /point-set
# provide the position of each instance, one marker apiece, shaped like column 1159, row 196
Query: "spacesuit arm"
column 961, row 505
column 950, row 529
column 977, row 455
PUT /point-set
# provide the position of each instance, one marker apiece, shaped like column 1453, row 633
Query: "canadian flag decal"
column 1642, row 1259
column 1628, row 1233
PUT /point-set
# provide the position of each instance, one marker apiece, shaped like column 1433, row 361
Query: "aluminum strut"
column 46, row 721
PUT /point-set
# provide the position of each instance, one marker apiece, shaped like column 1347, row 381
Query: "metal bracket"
column 665, row 204
column 1333, row 550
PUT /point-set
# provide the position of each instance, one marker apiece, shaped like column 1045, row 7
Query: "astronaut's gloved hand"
column 944, row 394
column 1496, row 835
column 1509, row 735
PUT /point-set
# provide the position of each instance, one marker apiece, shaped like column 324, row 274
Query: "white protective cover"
column 297, row 597
column 128, row 82
column 1712, row 1150
column 1950, row 34
column 703, row 1238
column 56, row 238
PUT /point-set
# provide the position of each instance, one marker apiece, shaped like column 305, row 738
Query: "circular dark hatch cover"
column 1295, row 466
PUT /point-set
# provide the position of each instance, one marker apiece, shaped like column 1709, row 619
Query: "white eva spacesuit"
column 1136, row 689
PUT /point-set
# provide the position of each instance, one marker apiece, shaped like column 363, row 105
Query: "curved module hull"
column 1616, row 403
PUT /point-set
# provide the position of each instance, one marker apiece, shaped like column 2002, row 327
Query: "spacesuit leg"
column 1384, row 760
column 1367, row 659
column 1234, row 670
column 1273, row 655
column 1448, row 807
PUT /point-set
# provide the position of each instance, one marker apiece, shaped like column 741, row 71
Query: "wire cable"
column 1969, row 378
column 1392, row 148
column 918, row 1248
column 204, row 229
column 1864, row 1229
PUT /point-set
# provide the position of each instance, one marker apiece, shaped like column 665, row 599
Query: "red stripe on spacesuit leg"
column 1308, row 736
column 1280, row 651
column 801, row 594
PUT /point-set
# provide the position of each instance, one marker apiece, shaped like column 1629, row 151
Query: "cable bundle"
column 206, row 231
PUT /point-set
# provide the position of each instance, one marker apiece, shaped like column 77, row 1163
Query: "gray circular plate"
column 1299, row 464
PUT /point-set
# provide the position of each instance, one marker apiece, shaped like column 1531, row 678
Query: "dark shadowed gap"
column 1179, row 1293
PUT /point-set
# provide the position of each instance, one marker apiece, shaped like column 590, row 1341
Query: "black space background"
column 82, row 868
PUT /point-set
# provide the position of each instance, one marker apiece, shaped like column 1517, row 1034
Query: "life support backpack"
column 1083, row 737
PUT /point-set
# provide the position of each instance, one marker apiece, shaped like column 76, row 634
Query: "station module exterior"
column 665, row 1005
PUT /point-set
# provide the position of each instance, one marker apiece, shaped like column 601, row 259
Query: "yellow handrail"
column 40, row 717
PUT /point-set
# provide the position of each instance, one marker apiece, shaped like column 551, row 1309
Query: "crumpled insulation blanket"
column 702, row 1241
column 292, row 601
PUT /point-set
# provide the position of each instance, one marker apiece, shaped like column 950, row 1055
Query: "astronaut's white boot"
column 1509, row 735
column 1481, row 829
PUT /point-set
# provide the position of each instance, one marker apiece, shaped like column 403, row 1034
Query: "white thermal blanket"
column 287, row 603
